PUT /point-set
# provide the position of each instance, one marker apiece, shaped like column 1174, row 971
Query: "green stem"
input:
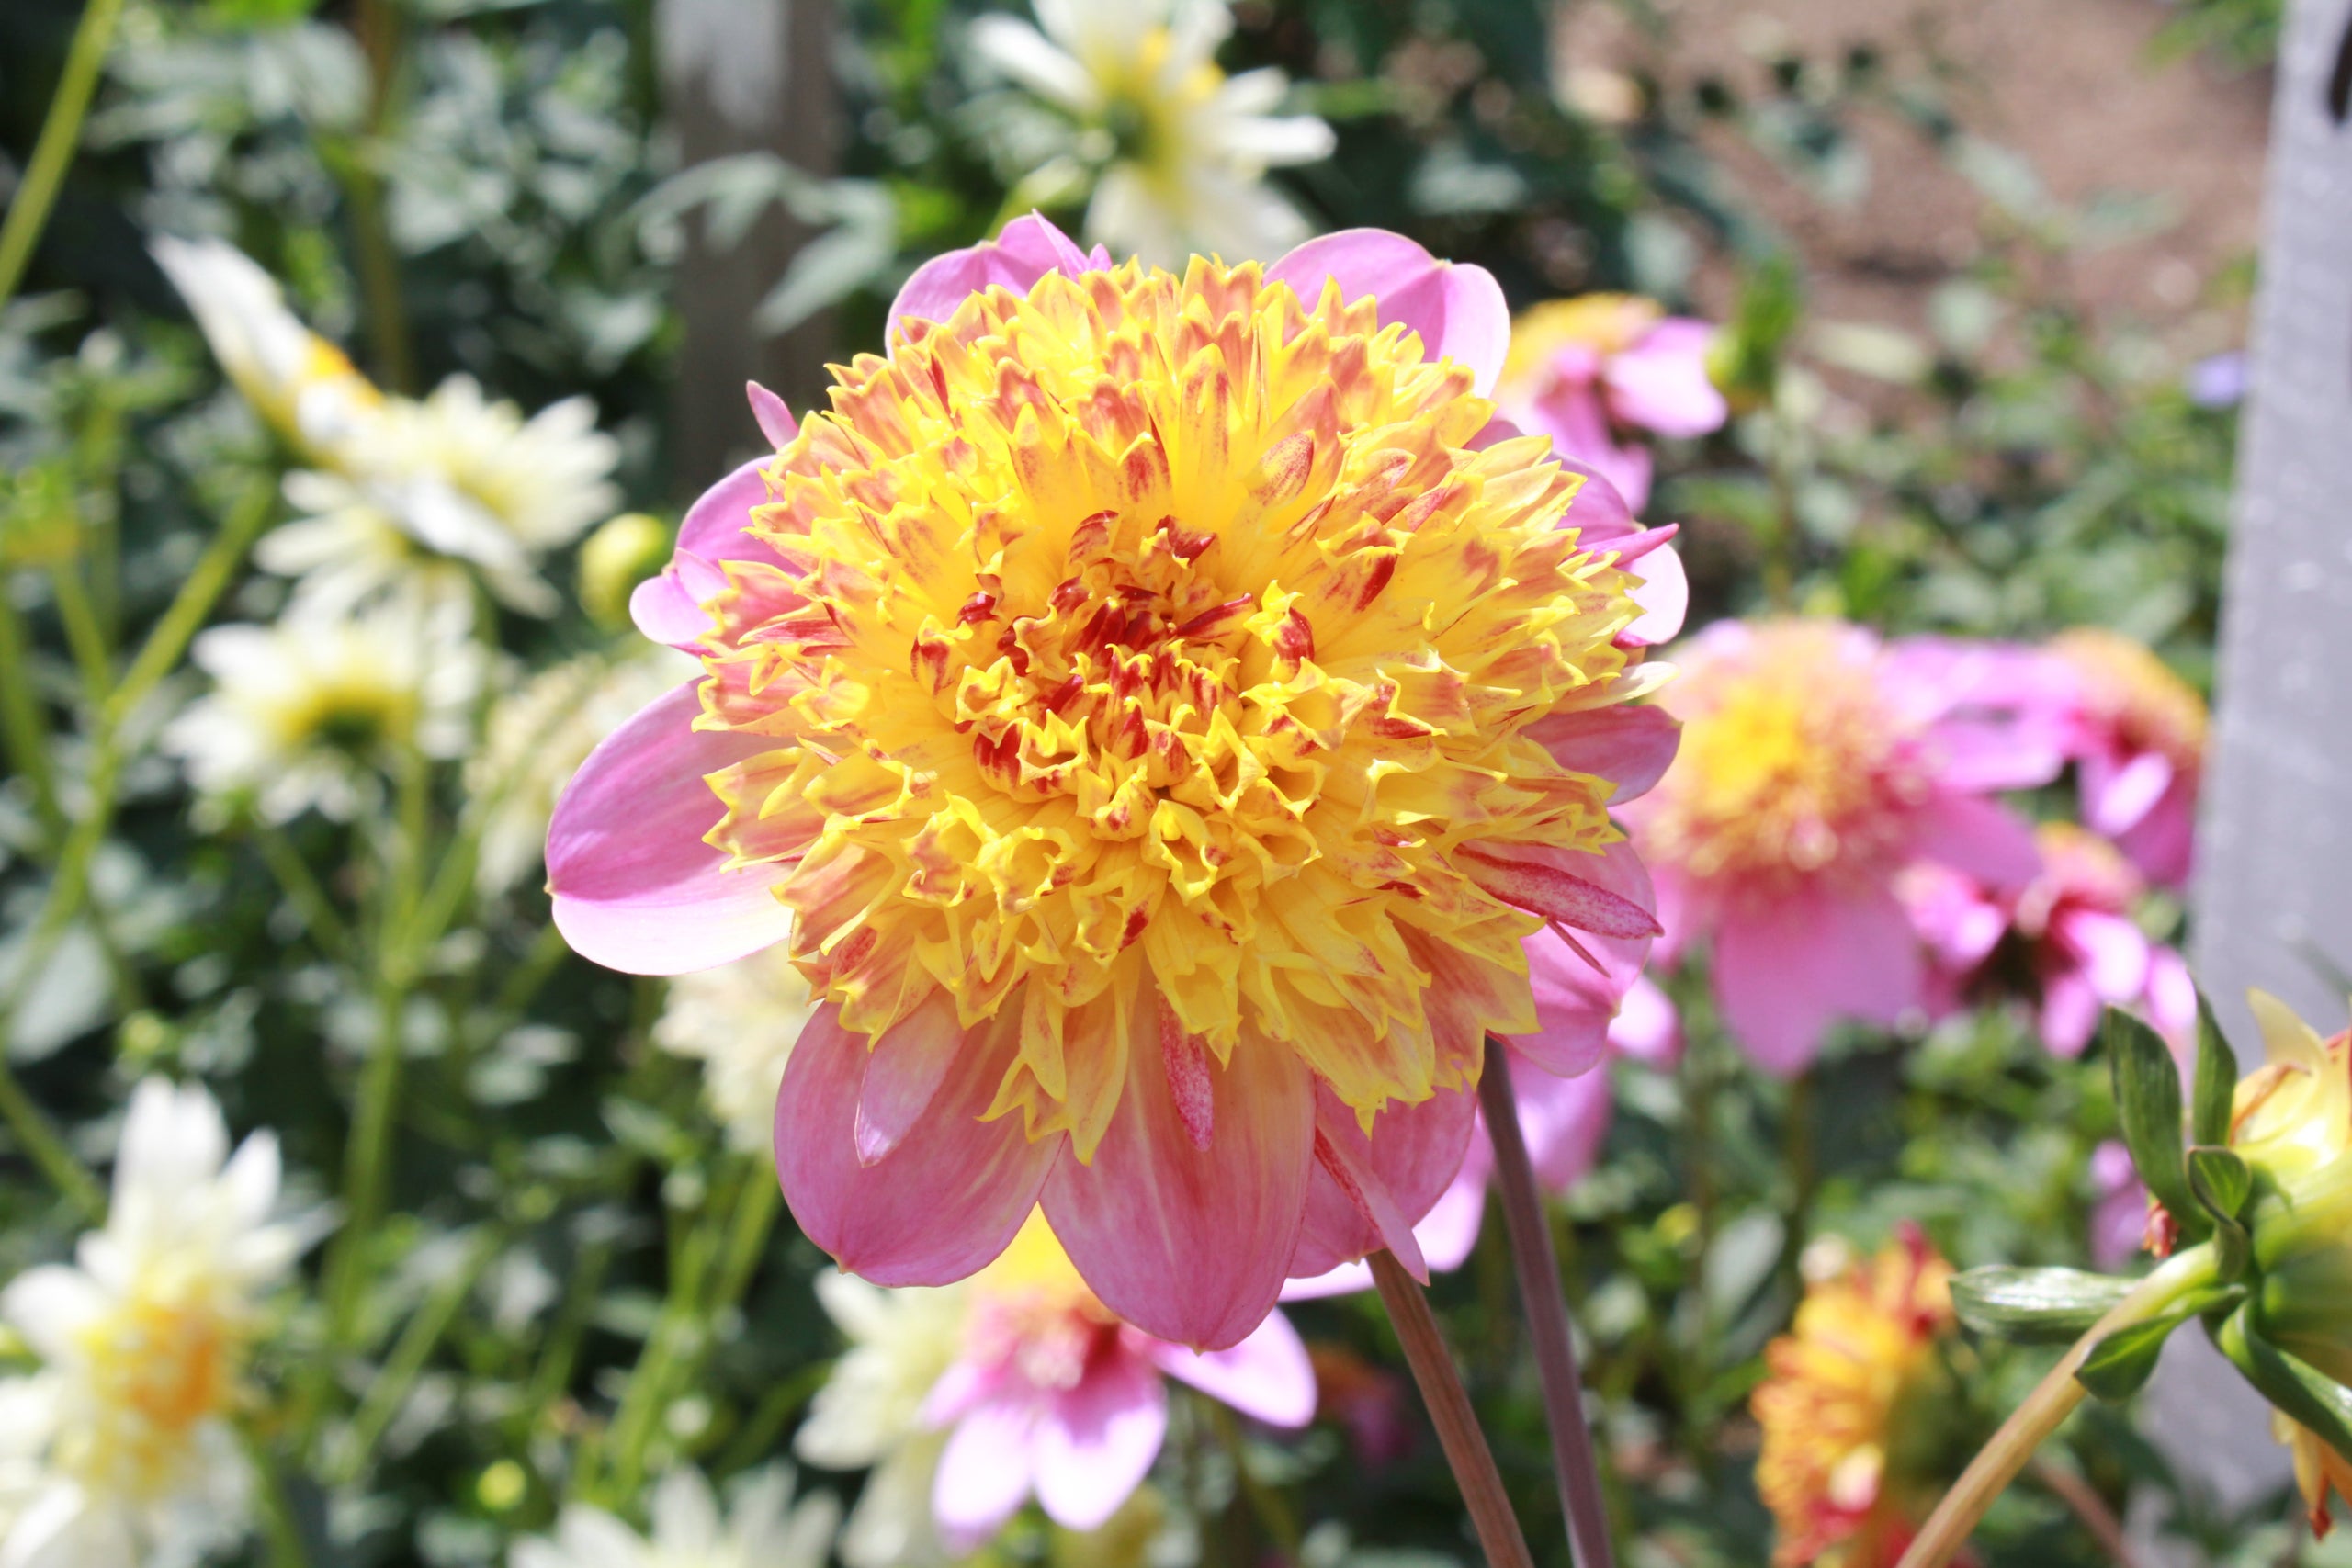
column 47, row 1148
column 552, row 1375
column 61, row 133
column 84, row 635
column 301, row 888
column 2053, row 1400
column 397, row 1378
column 279, row 1526
column 22, row 723
column 1273, row 1512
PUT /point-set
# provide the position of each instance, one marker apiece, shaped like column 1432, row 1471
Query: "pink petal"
column 2162, row 844
column 1028, row 249
column 1782, row 972
column 2172, row 998
column 1574, row 1003
column 1569, row 886
column 903, row 1072
column 1405, row 1165
column 1449, row 1230
column 1097, row 1441
column 1648, row 1029
column 2115, row 799
column 2112, row 950
column 1266, row 1377
column 636, row 888
column 668, row 608
column 1339, row 1279
column 941, row 1202
column 1574, row 416
column 1631, row 747
column 1457, row 310
column 1958, row 920
column 1384, row 1225
column 986, row 1470
column 1187, row 1244
column 1980, row 837
column 1563, row 1121
column 1665, row 598
column 1598, row 512
column 2070, row 1012
column 1660, row 384
column 774, row 420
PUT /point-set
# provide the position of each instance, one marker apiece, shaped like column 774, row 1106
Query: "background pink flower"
column 1598, row 372
column 2137, row 734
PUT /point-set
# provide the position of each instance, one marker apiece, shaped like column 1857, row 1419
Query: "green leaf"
column 2034, row 1304
column 2221, row 1181
column 2147, row 1100
column 2217, row 1078
column 2120, row 1363
column 2295, row 1386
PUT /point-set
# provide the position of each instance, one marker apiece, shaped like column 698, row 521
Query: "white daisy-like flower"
column 304, row 712
column 763, row 1528
column 538, row 737
column 1178, row 149
column 296, row 380
column 739, row 1020
column 121, row 1454
column 455, row 483
column 869, row 1413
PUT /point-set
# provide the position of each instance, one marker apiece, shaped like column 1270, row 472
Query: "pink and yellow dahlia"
column 1847, row 1407
column 1598, row 372
column 2137, row 732
column 1155, row 722
column 1817, row 763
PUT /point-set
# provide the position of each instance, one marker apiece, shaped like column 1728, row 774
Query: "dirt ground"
column 2068, row 84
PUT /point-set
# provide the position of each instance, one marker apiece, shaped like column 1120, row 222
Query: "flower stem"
column 2089, row 1508
column 1449, row 1406
column 2053, row 1400
column 61, row 133
column 1546, row 1307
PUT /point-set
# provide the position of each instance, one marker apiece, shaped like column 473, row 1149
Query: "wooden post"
column 2274, row 881
column 739, row 76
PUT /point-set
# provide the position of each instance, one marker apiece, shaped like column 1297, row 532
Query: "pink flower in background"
column 1816, row 764
column 1053, row 1396
column 1008, row 741
column 2119, row 1216
column 2081, row 948
column 1598, row 372
column 2137, row 733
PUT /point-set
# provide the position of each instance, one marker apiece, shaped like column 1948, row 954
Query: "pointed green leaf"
column 2034, row 1304
column 2221, row 1181
column 2120, row 1363
column 2301, row 1390
column 2217, row 1078
column 2147, row 1100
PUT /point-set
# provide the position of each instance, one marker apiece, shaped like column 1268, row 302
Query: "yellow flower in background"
column 1844, row 1405
column 121, row 1450
column 1180, row 150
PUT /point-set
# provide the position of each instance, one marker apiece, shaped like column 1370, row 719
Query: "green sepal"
column 2223, row 1183
column 2117, row 1367
column 2035, row 1304
column 2147, row 1102
column 2304, row 1393
column 2217, row 1079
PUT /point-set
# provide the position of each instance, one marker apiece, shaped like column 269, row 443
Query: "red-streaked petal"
column 1097, row 1441
column 1631, row 747
column 941, row 1203
column 1564, row 885
column 1458, row 309
column 903, row 1072
column 1189, row 1245
column 1266, row 1377
column 636, row 888
column 1415, row 1151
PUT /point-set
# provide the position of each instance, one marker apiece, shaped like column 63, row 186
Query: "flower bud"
column 614, row 559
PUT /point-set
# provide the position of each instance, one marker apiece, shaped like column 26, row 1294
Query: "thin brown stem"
column 1449, row 1406
column 1547, row 1308
column 2088, row 1507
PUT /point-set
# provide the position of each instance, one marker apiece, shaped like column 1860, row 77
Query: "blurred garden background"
column 358, row 358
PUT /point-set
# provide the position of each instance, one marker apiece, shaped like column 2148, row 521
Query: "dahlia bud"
column 614, row 559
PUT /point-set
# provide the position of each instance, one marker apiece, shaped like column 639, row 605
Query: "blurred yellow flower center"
column 1144, row 633
column 1605, row 323
column 1792, row 762
column 1031, row 1308
column 2152, row 708
column 159, row 1364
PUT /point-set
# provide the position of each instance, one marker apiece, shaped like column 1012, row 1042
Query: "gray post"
column 739, row 76
column 2274, row 880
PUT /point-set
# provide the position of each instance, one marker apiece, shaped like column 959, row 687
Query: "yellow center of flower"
column 1605, row 323
column 1793, row 761
column 158, row 1364
column 2152, row 708
column 1143, row 635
